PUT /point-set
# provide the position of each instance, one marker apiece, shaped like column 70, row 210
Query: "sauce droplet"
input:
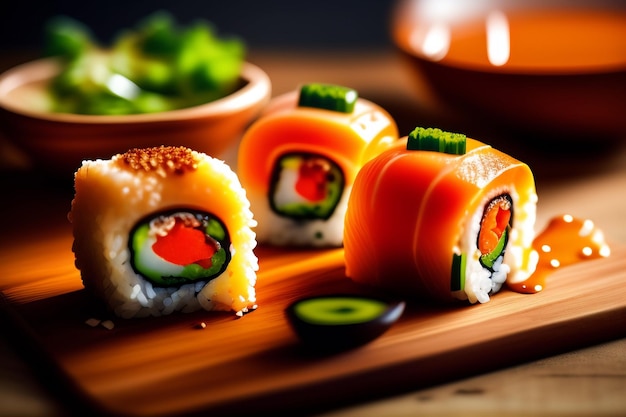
column 565, row 240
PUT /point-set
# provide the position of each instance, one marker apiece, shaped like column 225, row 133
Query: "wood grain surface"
column 165, row 366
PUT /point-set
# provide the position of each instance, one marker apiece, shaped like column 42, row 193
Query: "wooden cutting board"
column 255, row 364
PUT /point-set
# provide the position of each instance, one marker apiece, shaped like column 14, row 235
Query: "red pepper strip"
column 312, row 180
column 184, row 246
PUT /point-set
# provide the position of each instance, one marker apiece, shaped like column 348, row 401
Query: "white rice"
column 284, row 231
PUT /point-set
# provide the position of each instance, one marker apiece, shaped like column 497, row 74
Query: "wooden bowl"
column 58, row 143
column 549, row 72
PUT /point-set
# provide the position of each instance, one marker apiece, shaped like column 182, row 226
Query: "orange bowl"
column 555, row 72
column 59, row 142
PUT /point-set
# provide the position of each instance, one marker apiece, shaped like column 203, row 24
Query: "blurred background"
column 262, row 24
column 345, row 42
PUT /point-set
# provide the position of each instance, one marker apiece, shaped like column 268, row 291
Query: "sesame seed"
column 170, row 159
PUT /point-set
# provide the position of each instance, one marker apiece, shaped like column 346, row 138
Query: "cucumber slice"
column 335, row 322
column 328, row 96
column 434, row 139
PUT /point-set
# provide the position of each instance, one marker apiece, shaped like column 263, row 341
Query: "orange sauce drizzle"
column 565, row 240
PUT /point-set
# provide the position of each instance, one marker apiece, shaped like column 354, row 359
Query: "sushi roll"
column 298, row 161
column 441, row 217
column 164, row 229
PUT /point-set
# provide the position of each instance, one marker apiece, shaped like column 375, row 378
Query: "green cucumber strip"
column 328, row 96
column 434, row 139
column 490, row 258
column 457, row 276
column 194, row 272
column 215, row 229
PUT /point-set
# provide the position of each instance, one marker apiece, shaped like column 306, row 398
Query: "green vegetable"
column 215, row 229
column 156, row 66
column 66, row 37
column 328, row 96
column 159, row 34
column 457, row 275
column 433, row 139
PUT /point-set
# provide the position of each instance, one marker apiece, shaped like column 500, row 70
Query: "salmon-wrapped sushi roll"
column 298, row 161
column 441, row 217
column 164, row 229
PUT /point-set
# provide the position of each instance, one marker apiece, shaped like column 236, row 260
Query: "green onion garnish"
column 328, row 96
column 433, row 139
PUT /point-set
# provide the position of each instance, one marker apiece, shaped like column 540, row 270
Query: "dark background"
column 286, row 24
